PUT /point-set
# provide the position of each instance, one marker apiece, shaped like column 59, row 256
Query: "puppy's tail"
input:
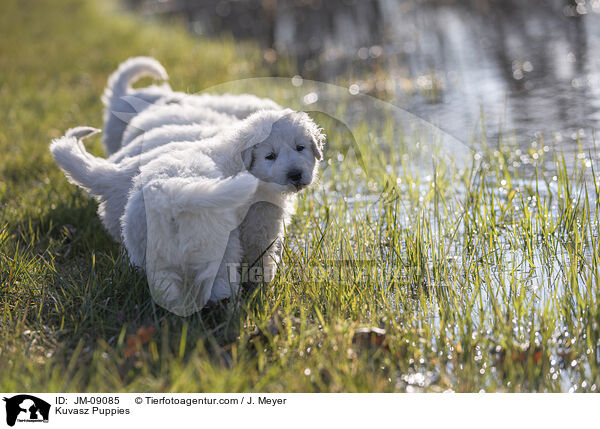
column 82, row 169
column 119, row 83
column 81, row 133
column 184, row 194
column 121, row 103
column 213, row 193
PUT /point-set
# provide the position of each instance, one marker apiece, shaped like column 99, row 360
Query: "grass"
column 483, row 277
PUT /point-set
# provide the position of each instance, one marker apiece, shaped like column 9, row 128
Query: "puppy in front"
column 189, row 211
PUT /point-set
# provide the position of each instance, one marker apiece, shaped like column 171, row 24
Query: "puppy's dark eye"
column 271, row 156
column 299, row 148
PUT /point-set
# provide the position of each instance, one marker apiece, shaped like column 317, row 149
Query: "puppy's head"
column 289, row 155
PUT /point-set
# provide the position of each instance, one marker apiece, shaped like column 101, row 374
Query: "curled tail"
column 93, row 174
column 121, row 103
column 119, row 83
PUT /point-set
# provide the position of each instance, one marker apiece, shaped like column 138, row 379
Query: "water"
column 530, row 69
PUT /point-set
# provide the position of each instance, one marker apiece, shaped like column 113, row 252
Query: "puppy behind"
column 122, row 103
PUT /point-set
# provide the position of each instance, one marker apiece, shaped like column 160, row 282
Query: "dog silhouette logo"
column 26, row 408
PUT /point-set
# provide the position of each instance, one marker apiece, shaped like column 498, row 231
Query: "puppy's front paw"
column 179, row 294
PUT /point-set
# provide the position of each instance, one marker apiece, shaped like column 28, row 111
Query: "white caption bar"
column 160, row 410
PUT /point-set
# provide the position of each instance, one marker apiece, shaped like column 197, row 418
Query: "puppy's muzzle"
column 295, row 178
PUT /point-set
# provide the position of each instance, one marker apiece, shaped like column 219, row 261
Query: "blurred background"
column 528, row 67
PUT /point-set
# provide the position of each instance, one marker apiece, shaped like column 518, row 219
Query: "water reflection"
column 529, row 67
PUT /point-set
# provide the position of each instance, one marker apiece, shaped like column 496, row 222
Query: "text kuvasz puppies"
column 191, row 212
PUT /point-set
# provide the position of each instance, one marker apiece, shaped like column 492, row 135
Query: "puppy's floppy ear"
column 248, row 158
column 253, row 130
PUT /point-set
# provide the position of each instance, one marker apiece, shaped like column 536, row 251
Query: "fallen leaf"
column 142, row 336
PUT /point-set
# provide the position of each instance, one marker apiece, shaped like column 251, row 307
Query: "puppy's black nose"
column 295, row 176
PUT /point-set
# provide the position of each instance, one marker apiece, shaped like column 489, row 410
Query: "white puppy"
column 190, row 213
column 123, row 103
column 160, row 115
column 167, row 134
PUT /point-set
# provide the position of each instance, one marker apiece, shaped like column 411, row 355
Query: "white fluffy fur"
column 171, row 114
column 166, row 134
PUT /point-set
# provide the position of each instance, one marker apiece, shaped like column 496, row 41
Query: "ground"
column 483, row 277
